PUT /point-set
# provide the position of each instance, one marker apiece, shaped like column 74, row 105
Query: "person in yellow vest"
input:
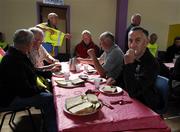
column 3, row 44
column 53, row 38
column 153, row 46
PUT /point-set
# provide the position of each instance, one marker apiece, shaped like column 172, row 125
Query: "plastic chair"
column 163, row 88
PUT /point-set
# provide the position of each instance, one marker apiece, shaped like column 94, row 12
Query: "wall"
column 157, row 15
column 94, row 15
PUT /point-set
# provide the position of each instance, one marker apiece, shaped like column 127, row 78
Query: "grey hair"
column 107, row 34
column 135, row 15
column 22, row 37
column 36, row 30
column 86, row 32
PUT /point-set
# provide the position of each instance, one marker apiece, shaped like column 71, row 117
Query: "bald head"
column 53, row 19
column 136, row 19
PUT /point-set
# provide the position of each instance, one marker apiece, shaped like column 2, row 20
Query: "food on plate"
column 84, row 77
column 92, row 98
column 85, row 107
column 62, row 82
column 109, row 89
column 73, row 101
column 82, row 104
column 77, row 81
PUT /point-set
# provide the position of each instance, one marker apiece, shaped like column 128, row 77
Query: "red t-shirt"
column 81, row 49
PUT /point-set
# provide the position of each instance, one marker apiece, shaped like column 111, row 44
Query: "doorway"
column 63, row 12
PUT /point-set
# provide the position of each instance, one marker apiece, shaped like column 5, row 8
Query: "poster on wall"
column 55, row 2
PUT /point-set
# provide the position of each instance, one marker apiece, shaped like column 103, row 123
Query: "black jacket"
column 140, row 77
column 17, row 77
column 170, row 53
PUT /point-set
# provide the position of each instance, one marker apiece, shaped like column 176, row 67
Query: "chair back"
column 163, row 88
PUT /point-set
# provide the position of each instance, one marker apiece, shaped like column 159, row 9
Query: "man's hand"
column 110, row 81
column 129, row 57
column 91, row 53
column 68, row 36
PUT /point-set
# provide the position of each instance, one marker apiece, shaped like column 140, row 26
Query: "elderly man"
column 38, row 54
column 18, row 80
column 111, row 59
column 86, row 44
column 141, row 70
column 48, row 27
column 135, row 21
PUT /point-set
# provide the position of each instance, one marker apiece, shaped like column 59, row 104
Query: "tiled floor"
column 24, row 124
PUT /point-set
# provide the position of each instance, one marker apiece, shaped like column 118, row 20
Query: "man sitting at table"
column 86, row 44
column 38, row 55
column 140, row 70
column 18, row 80
column 111, row 61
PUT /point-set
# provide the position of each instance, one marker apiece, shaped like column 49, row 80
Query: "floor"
column 24, row 124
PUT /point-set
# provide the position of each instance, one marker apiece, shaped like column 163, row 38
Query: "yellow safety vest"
column 3, row 44
column 153, row 48
column 55, row 39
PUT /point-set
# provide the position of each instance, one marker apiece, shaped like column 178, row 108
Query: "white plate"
column 69, row 84
column 91, row 80
column 84, row 114
column 119, row 90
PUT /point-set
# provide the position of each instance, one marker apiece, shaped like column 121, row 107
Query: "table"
column 129, row 117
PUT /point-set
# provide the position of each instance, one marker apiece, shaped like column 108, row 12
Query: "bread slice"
column 61, row 82
column 92, row 98
column 109, row 89
column 83, row 108
column 77, row 81
column 73, row 101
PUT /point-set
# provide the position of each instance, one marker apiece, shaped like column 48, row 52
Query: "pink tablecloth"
column 129, row 117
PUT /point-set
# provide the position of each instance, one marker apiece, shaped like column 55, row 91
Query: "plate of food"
column 91, row 80
column 82, row 105
column 91, row 71
column 83, row 77
column 112, row 90
column 58, row 74
column 70, row 83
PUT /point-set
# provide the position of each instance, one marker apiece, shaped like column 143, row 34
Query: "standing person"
column 173, row 51
column 111, row 61
column 18, row 80
column 135, row 21
column 86, row 44
column 53, row 37
column 153, row 46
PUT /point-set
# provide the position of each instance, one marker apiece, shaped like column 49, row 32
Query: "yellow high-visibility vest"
column 55, row 39
column 3, row 44
column 153, row 48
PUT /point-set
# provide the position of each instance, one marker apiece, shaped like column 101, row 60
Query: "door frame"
column 40, row 5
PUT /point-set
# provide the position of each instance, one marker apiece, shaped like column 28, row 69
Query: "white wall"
column 94, row 15
column 157, row 15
